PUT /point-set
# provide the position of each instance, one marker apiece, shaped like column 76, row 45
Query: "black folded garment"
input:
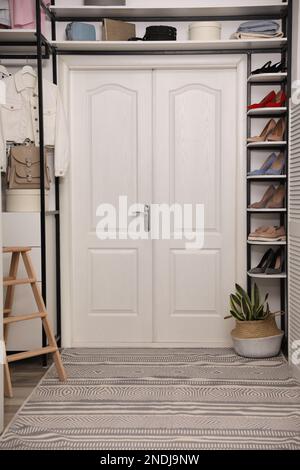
column 158, row 33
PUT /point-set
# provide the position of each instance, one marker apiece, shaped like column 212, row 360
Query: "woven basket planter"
column 255, row 329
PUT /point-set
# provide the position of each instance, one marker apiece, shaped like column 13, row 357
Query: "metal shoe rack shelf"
column 14, row 44
column 284, row 81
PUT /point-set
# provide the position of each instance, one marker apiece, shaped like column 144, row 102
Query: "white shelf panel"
column 17, row 35
column 159, row 13
column 167, row 45
column 283, row 243
column 266, row 177
column 267, row 111
column 268, row 77
column 268, row 276
column 267, row 144
column 266, row 210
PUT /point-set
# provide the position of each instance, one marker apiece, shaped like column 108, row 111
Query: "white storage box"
column 24, row 200
column 205, row 31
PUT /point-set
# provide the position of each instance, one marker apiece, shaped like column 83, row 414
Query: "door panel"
column 194, row 162
column 189, row 158
column 111, row 151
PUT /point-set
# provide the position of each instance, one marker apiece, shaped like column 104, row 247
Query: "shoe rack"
column 263, row 216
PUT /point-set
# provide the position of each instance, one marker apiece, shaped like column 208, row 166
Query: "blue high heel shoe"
column 277, row 166
column 265, row 166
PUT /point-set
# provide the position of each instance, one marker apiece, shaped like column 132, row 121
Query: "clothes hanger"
column 28, row 69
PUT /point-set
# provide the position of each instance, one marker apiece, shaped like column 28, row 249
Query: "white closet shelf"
column 267, row 144
column 267, row 111
column 268, row 276
column 183, row 13
column 266, row 177
column 266, row 210
column 268, row 77
column 233, row 44
column 17, row 35
column 250, row 242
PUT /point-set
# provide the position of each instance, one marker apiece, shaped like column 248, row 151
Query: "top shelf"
column 274, row 11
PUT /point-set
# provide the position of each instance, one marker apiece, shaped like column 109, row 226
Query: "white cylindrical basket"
column 205, row 31
column 24, row 200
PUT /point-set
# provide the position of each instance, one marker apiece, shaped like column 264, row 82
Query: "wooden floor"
column 25, row 376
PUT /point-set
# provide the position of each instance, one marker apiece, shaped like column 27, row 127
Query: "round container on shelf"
column 25, row 200
column 205, row 31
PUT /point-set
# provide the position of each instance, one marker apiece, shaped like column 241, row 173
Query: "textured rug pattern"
column 175, row 399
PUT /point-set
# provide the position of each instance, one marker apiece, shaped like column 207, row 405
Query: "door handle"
column 146, row 214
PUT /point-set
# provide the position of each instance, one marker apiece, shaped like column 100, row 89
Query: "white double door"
column 164, row 136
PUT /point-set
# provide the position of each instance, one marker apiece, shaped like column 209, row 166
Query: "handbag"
column 23, row 171
column 80, row 32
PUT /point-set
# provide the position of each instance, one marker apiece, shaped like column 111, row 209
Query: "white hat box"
column 25, row 200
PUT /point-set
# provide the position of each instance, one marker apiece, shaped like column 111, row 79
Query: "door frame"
column 67, row 64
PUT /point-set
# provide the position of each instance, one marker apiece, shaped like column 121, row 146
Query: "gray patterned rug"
column 161, row 399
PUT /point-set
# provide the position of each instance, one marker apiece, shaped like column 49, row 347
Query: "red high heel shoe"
column 264, row 102
column 278, row 101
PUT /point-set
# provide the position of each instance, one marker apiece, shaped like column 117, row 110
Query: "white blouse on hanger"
column 20, row 119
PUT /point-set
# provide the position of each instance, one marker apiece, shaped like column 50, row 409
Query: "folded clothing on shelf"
column 259, row 26
column 263, row 29
column 4, row 14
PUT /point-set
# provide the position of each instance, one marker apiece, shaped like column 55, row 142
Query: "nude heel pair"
column 272, row 199
column 273, row 131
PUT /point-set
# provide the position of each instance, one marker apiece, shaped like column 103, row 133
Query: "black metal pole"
column 248, row 182
column 57, row 205
column 40, row 131
column 284, row 288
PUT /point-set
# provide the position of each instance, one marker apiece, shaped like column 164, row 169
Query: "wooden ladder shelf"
column 10, row 282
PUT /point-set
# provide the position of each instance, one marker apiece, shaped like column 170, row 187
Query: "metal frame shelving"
column 284, row 81
column 33, row 45
column 54, row 48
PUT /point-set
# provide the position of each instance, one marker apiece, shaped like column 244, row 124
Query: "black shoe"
column 264, row 69
column 268, row 68
column 276, row 265
column 279, row 67
column 264, row 262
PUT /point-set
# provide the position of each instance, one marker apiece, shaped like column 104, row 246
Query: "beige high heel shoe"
column 269, row 127
column 277, row 133
column 269, row 194
column 277, row 200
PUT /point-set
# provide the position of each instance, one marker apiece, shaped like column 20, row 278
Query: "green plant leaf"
column 235, row 316
column 256, row 298
column 235, row 303
column 238, row 315
column 241, row 292
column 260, row 314
column 237, row 311
column 245, row 309
column 250, row 307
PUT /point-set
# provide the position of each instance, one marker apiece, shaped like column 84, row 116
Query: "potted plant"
column 256, row 333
